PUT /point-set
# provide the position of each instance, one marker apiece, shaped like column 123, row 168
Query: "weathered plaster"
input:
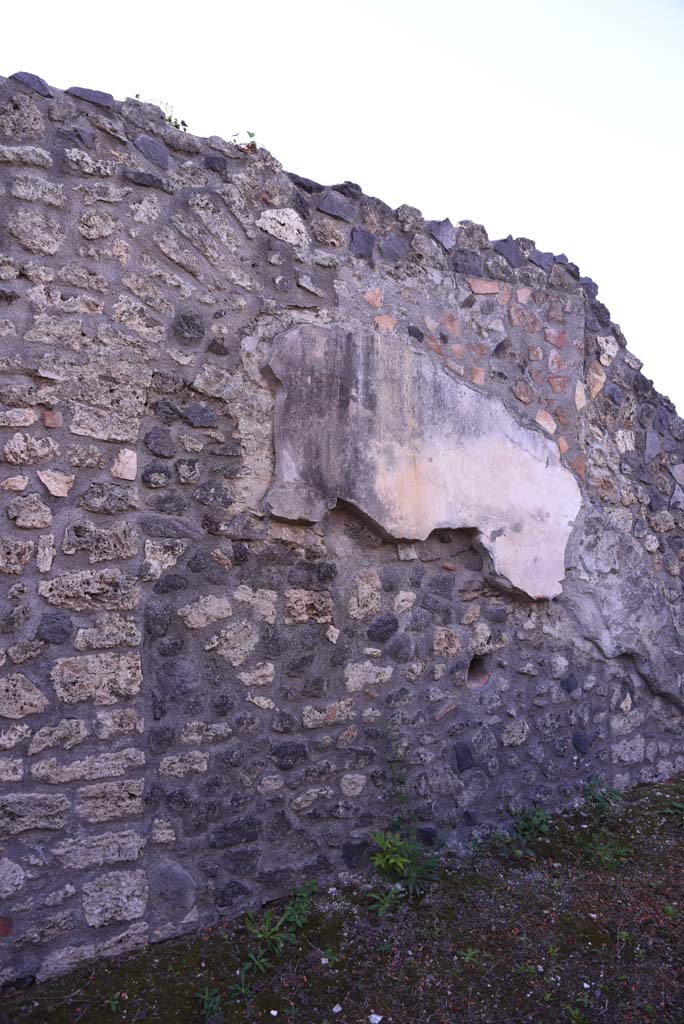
column 373, row 420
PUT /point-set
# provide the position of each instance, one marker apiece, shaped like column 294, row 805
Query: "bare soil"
column 583, row 924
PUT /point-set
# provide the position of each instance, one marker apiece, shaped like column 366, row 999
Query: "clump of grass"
column 272, row 933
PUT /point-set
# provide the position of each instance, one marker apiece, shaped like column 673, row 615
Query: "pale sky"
column 555, row 120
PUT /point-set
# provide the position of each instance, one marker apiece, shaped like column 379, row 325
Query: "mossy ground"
column 546, row 934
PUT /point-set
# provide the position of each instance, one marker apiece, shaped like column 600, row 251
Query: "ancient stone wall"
column 313, row 512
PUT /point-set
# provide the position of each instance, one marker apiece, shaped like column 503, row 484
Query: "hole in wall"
column 479, row 670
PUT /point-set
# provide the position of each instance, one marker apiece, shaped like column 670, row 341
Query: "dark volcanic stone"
column 158, row 526
column 613, row 393
column 441, row 583
column 199, row 562
column 216, row 162
column 444, row 232
column 77, row 135
column 213, row 494
column 108, row 499
column 590, row 287
column 55, row 627
column 415, row 332
column 227, row 894
column 38, row 85
column 306, row 184
column 244, row 830
column 160, row 442
column 170, row 502
column 467, row 261
column 157, row 618
column 400, row 648
column 153, row 150
column 283, row 722
column 392, row 248
column 419, row 621
column 602, row 313
column 510, row 251
column 581, row 742
column 199, row 414
column 101, row 99
column 298, row 666
column 166, row 411
column 464, row 757
column 160, row 738
column 156, row 474
column 273, row 643
column 312, row 575
column 146, row 180
column 189, row 327
column 361, row 243
column 170, row 583
column 171, row 646
column 569, row 683
column 340, row 655
column 287, row 756
column 542, row 259
column 439, row 606
column 335, row 205
column 314, row 688
column 349, row 189
column 382, row 628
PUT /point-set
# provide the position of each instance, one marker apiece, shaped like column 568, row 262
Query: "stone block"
column 116, row 896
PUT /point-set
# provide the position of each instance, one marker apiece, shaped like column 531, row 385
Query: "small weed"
column 531, row 824
column 331, row 956
column 272, row 933
column 249, row 146
column 574, row 1015
column 241, row 990
column 670, row 910
column 169, row 115
column 603, row 849
column 113, row 1001
column 209, row 1001
column 675, row 811
column 386, row 902
column 600, row 799
column 298, row 909
column 500, row 844
column 525, row 969
column 393, row 854
column 469, row 955
column 257, row 962
column 402, row 859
